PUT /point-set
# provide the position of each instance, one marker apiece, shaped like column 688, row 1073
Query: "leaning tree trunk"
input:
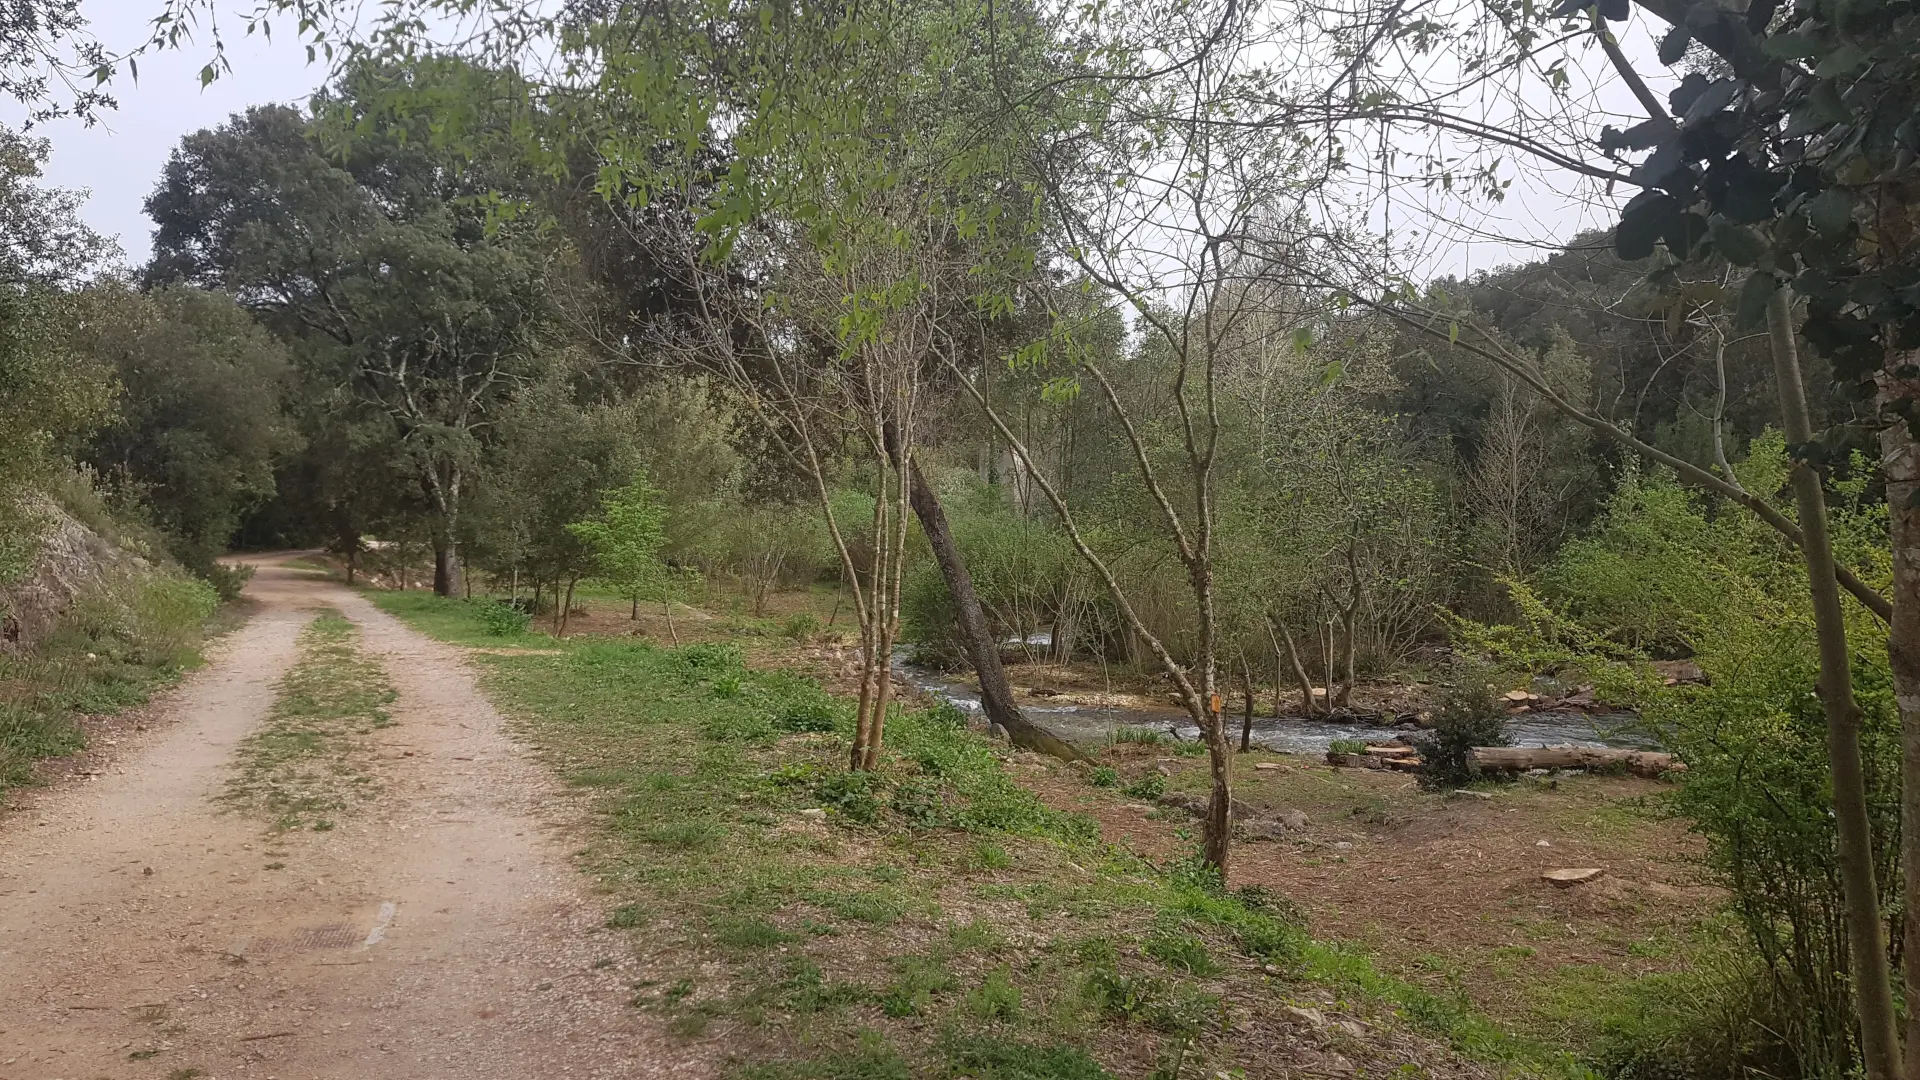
column 996, row 696
column 1879, row 1042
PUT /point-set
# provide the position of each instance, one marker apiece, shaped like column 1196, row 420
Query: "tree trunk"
column 1879, row 1042
column 446, row 566
column 1900, row 464
column 1299, row 669
column 1522, row 758
column 1246, row 717
column 996, row 695
column 666, row 608
column 566, row 606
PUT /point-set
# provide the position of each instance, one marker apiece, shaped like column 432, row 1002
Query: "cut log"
column 1391, row 751
column 1522, row 758
column 1567, row 879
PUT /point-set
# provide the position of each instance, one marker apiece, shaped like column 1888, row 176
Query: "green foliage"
column 310, row 760
column 1148, row 787
column 199, row 426
column 850, row 794
column 124, row 636
column 501, row 619
column 1181, row 951
column 1468, row 714
column 1347, row 746
column 627, row 538
column 1672, row 573
column 1103, row 776
column 996, row 998
column 1001, row 1059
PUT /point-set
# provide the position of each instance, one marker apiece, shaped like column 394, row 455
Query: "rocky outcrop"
column 71, row 560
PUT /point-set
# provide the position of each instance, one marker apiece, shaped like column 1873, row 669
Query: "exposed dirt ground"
column 147, row 931
column 1447, row 887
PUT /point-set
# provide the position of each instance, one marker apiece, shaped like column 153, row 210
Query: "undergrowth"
column 931, row 918
column 124, row 638
column 311, row 760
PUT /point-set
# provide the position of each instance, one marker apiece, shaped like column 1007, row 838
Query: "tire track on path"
column 439, row 931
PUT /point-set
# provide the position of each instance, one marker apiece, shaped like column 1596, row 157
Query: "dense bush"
column 1469, row 714
column 500, row 618
column 1668, row 573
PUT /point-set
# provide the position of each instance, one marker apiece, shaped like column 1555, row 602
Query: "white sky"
column 118, row 160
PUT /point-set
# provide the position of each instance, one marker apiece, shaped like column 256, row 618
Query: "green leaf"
column 1790, row 47
column 1737, row 243
column 1302, row 340
column 1844, row 60
column 1673, row 47
column 1332, row 374
column 1752, row 309
column 1831, row 212
column 1643, row 221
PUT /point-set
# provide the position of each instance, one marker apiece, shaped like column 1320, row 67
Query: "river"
column 1094, row 724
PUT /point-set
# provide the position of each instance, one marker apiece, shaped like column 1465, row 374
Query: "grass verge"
column 934, row 918
column 311, row 760
column 123, row 640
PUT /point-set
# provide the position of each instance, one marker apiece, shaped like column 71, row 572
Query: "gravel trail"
column 438, row 931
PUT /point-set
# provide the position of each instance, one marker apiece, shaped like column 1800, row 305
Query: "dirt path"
column 439, row 932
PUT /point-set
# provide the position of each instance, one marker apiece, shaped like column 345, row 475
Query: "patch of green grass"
column 996, row 998
column 831, row 931
column 312, row 759
column 1182, row 952
column 460, row 621
column 122, row 640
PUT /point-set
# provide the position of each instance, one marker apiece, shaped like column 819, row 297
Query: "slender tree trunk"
column 666, row 607
column 1900, row 464
column 566, row 607
column 1879, row 1043
column 1299, row 669
column 1246, row 718
column 634, row 615
column 996, row 695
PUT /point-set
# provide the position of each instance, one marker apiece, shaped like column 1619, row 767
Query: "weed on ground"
column 311, row 760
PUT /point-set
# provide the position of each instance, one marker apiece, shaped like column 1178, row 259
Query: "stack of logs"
column 1512, row 759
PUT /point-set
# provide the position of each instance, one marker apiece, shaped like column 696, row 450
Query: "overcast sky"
column 118, row 160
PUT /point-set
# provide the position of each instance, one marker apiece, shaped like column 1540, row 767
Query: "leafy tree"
column 199, row 425
column 627, row 539
column 377, row 258
column 51, row 396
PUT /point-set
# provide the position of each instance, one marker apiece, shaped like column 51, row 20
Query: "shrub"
column 802, row 626
column 1103, row 776
column 500, row 619
column 1469, row 715
column 1148, row 787
column 851, row 794
column 815, row 712
column 228, row 579
column 1347, row 746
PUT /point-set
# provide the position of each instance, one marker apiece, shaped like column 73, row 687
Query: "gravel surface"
column 438, row 931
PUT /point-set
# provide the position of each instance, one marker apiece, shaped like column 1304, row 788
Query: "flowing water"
column 1095, row 724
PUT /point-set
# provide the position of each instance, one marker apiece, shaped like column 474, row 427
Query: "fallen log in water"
column 1522, row 758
